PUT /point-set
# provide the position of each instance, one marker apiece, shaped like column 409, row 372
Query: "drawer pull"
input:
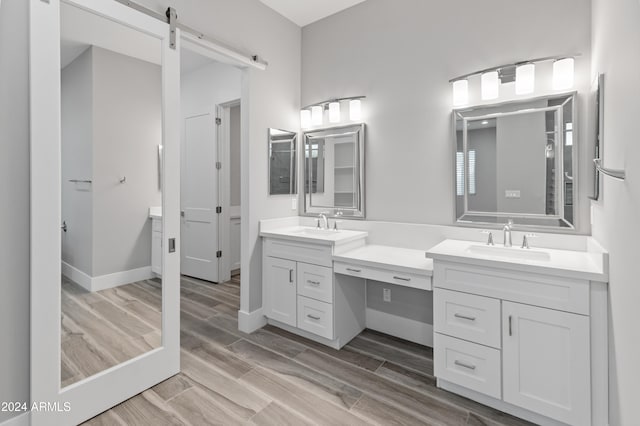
column 354, row 270
column 290, row 275
column 313, row 317
column 313, row 282
column 510, row 329
column 464, row 364
column 401, row 278
column 464, row 317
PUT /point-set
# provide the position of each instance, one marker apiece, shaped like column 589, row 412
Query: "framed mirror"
column 104, row 96
column 334, row 171
column 282, row 162
column 517, row 161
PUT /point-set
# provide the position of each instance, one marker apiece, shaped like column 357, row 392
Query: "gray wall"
column 616, row 37
column 401, row 55
column 484, row 142
column 126, row 133
column 235, row 178
column 77, row 162
column 14, row 208
column 522, row 165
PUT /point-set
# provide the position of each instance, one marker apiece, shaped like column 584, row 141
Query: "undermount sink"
column 316, row 231
column 509, row 252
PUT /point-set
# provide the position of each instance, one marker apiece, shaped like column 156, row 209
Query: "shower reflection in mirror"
column 111, row 103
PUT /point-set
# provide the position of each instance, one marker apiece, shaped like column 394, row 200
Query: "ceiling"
column 80, row 29
column 305, row 12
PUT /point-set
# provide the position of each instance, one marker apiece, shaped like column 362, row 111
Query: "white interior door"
column 199, row 198
column 98, row 392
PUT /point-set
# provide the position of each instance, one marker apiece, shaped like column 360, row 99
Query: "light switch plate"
column 294, row 203
column 512, row 193
column 386, row 294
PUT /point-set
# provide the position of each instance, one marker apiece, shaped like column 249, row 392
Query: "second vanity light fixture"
column 522, row 73
column 313, row 115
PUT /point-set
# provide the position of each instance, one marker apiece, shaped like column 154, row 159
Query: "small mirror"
column 516, row 161
column 282, row 162
column 334, row 171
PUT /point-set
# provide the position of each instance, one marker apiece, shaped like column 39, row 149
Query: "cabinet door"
column 546, row 362
column 280, row 290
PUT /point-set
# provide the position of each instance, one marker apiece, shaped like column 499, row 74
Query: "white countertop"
column 378, row 256
column 155, row 212
column 565, row 263
column 311, row 235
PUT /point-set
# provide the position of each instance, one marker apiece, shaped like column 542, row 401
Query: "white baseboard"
column 76, row 275
column 248, row 322
column 408, row 329
column 23, row 419
column 104, row 282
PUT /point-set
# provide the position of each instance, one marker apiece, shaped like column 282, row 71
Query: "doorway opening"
column 210, row 168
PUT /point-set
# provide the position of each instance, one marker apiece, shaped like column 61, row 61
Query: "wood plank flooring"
column 105, row 328
column 272, row 377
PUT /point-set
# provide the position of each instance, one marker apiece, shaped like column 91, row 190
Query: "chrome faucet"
column 507, row 233
column 325, row 221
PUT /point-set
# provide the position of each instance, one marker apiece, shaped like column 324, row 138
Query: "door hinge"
column 219, row 254
column 219, row 209
column 218, row 165
column 218, row 121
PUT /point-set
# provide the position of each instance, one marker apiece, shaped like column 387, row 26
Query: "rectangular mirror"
column 112, row 126
column 282, row 162
column 334, row 171
column 517, row 161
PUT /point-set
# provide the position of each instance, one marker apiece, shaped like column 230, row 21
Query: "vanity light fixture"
column 525, row 79
column 313, row 115
column 305, row 118
column 355, row 110
column 334, row 112
column 490, row 85
column 523, row 73
column 317, row 113
column 563, row 70
column 460, row 92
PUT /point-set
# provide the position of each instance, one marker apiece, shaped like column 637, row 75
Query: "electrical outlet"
column 512, row 193
column 294, row 203
column 386, row 294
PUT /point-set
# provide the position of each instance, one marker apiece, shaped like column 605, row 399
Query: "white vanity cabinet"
column 302, row 295
column 527, row 343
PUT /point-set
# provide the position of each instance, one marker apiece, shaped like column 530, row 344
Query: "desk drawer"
column 467, row 316
column 315, row 317
column 315, row 282
column 467, row 364
column 421, row 282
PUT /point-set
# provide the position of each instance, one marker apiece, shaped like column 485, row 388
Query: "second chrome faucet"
column 507, row 233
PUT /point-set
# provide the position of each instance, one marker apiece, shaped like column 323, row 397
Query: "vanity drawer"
column 315, row 317
column 473, row 366
column 547, row 291
column 422, row 282
column 467, row 316
column 315, row 282
column 316, row 254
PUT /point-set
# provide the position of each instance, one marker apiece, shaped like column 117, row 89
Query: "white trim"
column 405, row 328
column 23, row 419
column 103, row 282
column 248, row 322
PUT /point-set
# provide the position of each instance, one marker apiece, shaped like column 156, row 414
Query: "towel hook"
column 123, row 179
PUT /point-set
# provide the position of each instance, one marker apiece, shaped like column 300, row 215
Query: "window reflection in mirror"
column 516, row 161
column 111, row 117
